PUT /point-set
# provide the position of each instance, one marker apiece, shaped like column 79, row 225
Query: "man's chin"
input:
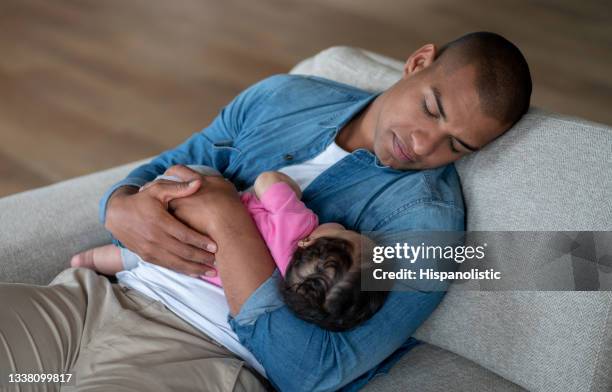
column 406, row 165
column 394, row 163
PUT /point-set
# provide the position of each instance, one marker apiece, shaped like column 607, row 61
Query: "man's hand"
column 140, row 220
column 200, row 209
column 243, row 259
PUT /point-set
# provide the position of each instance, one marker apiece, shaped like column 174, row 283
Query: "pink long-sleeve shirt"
column 282, row 219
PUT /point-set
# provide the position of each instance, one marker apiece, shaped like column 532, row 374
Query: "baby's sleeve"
column 280, row 196
column 288, row 222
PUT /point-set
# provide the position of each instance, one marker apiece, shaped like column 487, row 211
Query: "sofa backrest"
column 548, row 173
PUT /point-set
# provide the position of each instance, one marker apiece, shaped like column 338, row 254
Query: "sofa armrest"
column 41, row 229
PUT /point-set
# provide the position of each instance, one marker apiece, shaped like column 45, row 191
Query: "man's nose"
column 424, row 143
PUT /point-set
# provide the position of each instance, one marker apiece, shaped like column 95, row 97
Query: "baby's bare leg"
column 105, row 259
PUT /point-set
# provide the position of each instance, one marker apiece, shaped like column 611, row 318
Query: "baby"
column 321, row 264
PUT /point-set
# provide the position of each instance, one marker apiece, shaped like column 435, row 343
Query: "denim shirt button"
column 288, row 157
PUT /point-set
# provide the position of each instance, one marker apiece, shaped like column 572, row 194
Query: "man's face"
column 431, row 117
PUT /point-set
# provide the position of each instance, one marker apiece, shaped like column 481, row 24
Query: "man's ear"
column 421, row 58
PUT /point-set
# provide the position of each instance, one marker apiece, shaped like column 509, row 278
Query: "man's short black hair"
column 503, row 80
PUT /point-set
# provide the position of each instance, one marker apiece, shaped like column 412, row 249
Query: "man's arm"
column 299, row 356
column 242, row 258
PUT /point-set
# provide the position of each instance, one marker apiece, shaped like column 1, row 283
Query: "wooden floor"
column 88, row 84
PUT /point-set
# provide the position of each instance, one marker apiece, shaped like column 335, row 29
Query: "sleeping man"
column 371, row 162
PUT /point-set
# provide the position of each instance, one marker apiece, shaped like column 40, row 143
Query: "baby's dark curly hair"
column 322, row 285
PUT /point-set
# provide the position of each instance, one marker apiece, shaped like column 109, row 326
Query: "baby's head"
column 322, row 282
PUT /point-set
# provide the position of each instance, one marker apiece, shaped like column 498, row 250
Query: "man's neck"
column 359, row 131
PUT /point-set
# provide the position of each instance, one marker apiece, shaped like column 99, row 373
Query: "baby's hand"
column 304, row 242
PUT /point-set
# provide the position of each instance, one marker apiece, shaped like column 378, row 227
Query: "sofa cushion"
column 549, row 172
column 43, row 228
column 432, row 369
column 353, row 66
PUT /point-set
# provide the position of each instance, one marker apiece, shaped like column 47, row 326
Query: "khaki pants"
column 110, row 338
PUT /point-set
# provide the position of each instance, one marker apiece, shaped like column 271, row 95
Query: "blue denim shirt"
column 286, row 120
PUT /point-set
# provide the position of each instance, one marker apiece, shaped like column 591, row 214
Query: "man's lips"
column 400, row 152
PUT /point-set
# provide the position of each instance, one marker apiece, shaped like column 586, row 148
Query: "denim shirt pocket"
column 224, row 154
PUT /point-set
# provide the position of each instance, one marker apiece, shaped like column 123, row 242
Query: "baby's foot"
column 83, row 260
column 104, row 259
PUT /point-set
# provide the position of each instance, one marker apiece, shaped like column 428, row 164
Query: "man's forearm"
column 242, row 258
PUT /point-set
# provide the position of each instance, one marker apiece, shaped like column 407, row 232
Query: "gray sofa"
column 549, row 173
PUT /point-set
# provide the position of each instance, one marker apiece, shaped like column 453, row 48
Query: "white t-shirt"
column 200, row 303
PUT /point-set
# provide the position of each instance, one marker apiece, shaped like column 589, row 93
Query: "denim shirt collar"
column 339, row 119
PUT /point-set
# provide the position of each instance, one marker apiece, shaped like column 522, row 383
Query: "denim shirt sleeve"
column 299, row 356
column 211, row 147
